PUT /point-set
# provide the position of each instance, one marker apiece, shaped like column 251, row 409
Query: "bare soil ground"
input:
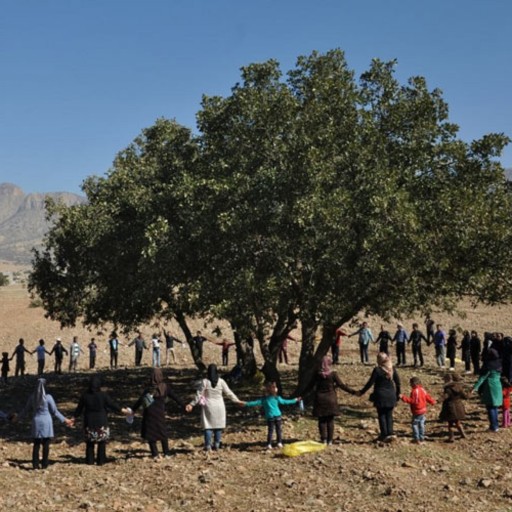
column 355, row 474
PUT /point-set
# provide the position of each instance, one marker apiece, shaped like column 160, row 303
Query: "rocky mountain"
column 22, row 220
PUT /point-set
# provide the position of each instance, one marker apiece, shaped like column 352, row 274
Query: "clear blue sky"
column 81, row 78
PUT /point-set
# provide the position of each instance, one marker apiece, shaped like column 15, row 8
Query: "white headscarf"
column 40, row 394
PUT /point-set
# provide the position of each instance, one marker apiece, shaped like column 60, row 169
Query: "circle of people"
column 493, row 385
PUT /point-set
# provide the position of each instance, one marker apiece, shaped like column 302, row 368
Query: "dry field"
column 355, row 474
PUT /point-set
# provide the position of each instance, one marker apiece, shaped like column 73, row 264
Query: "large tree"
column 306, row 198
column 340, row 195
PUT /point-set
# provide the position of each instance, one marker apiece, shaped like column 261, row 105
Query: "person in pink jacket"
column 418, row 400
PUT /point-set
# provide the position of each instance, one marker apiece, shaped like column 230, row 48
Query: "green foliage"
column 309, row 197
column 4, row 280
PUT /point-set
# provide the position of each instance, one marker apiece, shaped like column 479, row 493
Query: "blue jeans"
column 363, row 352
column 156, row 357
column 418, row 427
column 440, row 355
column 217, row 434
column 492, row 413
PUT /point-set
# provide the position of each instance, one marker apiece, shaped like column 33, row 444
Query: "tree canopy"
column 303, row 198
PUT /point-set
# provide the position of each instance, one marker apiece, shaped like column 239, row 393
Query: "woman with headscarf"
column 43, row 406
column 325, row 404
column 386, row 392
column 210, row 395
column 94, row 405
column 152, row 400
column 489, row 384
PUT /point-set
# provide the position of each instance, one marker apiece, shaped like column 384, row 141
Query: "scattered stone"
column 485, row 483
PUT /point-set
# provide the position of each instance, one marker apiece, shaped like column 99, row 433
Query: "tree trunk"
column 245, row 354
column 309, row 362
column 182, row 322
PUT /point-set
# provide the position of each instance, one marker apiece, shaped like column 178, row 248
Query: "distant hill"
column 22, row 220
column 508, row 173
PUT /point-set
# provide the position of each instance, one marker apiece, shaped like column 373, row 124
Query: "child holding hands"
column 418, row 400
column 270, row 403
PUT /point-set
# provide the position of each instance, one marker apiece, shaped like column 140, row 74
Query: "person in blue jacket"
column 42, row 406
column 270, row 403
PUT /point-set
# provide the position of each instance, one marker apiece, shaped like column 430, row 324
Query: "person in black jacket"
column 475, row 347
column 415, row 338
column 386, row 392
column 152, row 400
column 94, row 405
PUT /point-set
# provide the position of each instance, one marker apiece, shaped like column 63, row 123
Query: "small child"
column 5, row 367
column 453, row 410
column 270, row 403
column 505, row 408
column 418, row 400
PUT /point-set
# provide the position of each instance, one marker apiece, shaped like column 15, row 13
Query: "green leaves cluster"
column 307, row 197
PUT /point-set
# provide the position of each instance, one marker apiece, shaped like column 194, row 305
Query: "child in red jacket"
column 418, row 400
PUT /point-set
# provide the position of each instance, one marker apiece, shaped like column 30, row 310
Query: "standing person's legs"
column 279, row 432
column 35, row 453
column 505, row 417
column 225, row 358
column 492, row 413
column 362, row 352
column 420, row 354
column 173, row 354
column 40, row 367
column 418, row 427
column 165, row 446
column 217, row 436
column 385, row 416
column 383, row 425
column 398, row 354
column 270, row 432
column 89, row 452
column 208, row 439
column 330, row 429
column 101, row 456
column 46, row 452
column 476, row 363
column 389, row 421
column 322, row 428
column 153, row 449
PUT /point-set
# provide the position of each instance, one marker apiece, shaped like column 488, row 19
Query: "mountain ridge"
column 23, row 221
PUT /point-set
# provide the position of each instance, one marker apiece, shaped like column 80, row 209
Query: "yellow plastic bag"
column 301, row 447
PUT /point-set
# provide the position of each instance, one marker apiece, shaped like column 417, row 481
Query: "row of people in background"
column 59, row 351
column 445, row 345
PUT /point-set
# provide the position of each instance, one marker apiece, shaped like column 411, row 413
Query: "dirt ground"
column 355, row 474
